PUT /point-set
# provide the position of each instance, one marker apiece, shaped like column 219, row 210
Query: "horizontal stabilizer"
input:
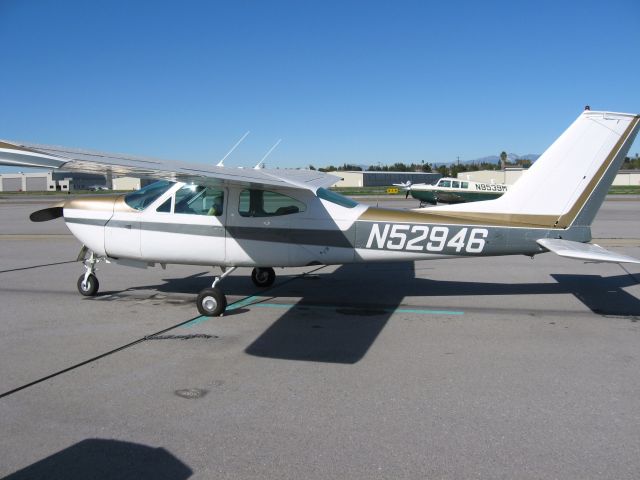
column 583, row 251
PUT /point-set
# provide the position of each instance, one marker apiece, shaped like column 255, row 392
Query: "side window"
column 455, row 184
column 464, row 184
column 444, row 183
column 199, row 200
column 260, row 203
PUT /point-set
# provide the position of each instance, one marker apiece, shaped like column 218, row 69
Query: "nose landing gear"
column 88, row 284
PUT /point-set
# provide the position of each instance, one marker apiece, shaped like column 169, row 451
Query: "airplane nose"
column 86, row 217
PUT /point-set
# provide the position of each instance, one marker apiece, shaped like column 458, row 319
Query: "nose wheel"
column 88, row 285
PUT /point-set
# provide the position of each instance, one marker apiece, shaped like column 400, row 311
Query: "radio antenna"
column 221, row 162
column 260, row 164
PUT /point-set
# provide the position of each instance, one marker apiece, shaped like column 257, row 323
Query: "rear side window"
column 141, row 199
column 261, row 203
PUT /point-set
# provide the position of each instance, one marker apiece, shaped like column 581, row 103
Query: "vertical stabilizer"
column 568, row 183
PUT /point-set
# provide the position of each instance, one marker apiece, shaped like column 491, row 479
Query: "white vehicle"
column 231, row 217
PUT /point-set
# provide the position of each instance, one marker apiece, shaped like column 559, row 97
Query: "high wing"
column 76, row 160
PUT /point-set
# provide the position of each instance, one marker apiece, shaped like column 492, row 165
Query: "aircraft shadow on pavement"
column 339, row 324
column 100, row 459
column 602, row 295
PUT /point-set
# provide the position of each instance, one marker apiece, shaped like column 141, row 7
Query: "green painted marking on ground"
column 244, row 302
column 418, row 311
column 254, row 302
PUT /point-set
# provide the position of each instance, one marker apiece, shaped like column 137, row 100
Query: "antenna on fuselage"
column 221, row 162
column 260, row 164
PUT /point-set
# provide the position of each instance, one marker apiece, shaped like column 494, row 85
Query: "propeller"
column 46, row 214
column 406, row 186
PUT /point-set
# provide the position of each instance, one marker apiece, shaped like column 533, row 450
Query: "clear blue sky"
column 359, row 82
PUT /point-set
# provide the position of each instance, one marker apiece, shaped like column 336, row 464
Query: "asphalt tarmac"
column 478, row 368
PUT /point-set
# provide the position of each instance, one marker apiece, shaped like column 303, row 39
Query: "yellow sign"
column 392, row 190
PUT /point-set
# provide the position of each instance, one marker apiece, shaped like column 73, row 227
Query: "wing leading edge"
column 76, row 160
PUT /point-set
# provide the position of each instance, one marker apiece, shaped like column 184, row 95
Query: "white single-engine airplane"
column 232, row 217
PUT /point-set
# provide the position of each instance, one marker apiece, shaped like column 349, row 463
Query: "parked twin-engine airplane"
column 230, row 217
column 453, row 190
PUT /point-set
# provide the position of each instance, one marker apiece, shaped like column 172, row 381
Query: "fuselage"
column 233, row 226
column 452, row 190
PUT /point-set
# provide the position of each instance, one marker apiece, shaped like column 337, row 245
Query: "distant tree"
column 311, row 167
column 443, row 170
column 524, row 163
column 347, row 167
column 458, row 168
column 631, row 163
column 503, row 160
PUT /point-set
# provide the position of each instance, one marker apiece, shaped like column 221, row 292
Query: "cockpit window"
column 260, row 203
column 141, row 199
column 336, row 198
column 444, row 183
column 199, row 200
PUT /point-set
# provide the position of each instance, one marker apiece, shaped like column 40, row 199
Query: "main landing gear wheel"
column 263, row 277
column 88, row 288
column 211, row 302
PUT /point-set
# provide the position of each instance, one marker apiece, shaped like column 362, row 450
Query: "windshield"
column 141, row 199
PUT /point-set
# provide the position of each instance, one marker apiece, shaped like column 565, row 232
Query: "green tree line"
column 452, row 170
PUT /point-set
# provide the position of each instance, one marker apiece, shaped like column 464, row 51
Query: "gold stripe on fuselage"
column 113, row 203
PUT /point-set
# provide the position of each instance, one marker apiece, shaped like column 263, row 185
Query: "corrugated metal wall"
column 382, row 179
column 36, row 184
column 11, row 184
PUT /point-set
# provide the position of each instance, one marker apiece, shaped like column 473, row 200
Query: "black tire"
column 90, row 289
column 263, row 277
column 211, row 302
